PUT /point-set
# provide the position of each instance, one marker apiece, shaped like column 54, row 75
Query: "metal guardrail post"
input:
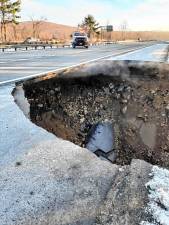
column 43, row 46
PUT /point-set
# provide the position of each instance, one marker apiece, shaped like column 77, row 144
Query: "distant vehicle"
column 75, row 34
column 31, row 40
column 80, row 39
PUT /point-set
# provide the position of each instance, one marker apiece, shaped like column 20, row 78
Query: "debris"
column 101, row 137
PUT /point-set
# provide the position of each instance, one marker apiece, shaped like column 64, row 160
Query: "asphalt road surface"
column 19, row 64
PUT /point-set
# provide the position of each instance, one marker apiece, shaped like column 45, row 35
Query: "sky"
column 138, row 14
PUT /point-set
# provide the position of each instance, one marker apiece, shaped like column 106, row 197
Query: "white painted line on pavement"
column 13, row 60
column 85, row 50
column 19, row 67
column 130, row 53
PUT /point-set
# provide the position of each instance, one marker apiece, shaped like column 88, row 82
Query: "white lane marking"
column 41, row 57
column 130, row 53
column 22, row 67
column 146, row 54
column 13, row 60
column 65, row 68
column 85, row 50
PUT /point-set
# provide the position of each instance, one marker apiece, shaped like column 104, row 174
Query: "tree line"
column 90, row 26
column 8, row 15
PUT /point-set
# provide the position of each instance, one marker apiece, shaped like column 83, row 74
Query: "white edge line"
column 65, row 68
column 130, row 53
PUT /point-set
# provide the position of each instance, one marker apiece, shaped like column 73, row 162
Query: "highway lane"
column 24, row 63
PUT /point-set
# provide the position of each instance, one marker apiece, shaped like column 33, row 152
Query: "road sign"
column 109, row 28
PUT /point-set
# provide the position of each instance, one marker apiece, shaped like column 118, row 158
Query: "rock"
column 106, row 90
column 121, row 88
column 82, row 120
column 111, row 86
column 127, row 199
column 52, row 92
column 153, row 92
column 40, row 105
column 101, row 137
column 124, row 110
column 124, row 101
column 117, row 96
column 57, row 89
column 148, row 134
column 126, row 96
column 85, row 111
column 128, row 89
column 112, row 156
column 90, row 94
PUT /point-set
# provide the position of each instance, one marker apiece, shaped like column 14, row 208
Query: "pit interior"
column 131, row 98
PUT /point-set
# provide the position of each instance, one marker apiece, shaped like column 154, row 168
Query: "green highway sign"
column 109, row 28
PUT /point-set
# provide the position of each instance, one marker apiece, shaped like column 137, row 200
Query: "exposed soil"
column 137, row 106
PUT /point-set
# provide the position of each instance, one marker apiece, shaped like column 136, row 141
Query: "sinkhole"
column 118, row 110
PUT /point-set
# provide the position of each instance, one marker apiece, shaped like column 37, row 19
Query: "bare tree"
column 24, row 33
column 123, row 28
column 36, row 26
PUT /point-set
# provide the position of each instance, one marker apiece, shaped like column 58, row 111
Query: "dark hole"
column 115, row 118
column 18, row 164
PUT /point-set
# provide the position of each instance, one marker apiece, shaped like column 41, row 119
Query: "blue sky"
column 116, row 3
column 139, row 14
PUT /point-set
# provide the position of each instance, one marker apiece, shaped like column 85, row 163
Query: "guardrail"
column 26, row 47
column 31, row 46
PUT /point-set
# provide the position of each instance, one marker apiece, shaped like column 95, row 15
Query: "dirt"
column 137, row 106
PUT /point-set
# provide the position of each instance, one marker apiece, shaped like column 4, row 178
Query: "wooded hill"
column 46, row 31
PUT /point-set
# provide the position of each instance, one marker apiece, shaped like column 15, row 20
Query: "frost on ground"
column 146, row 223
column 158, row 188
